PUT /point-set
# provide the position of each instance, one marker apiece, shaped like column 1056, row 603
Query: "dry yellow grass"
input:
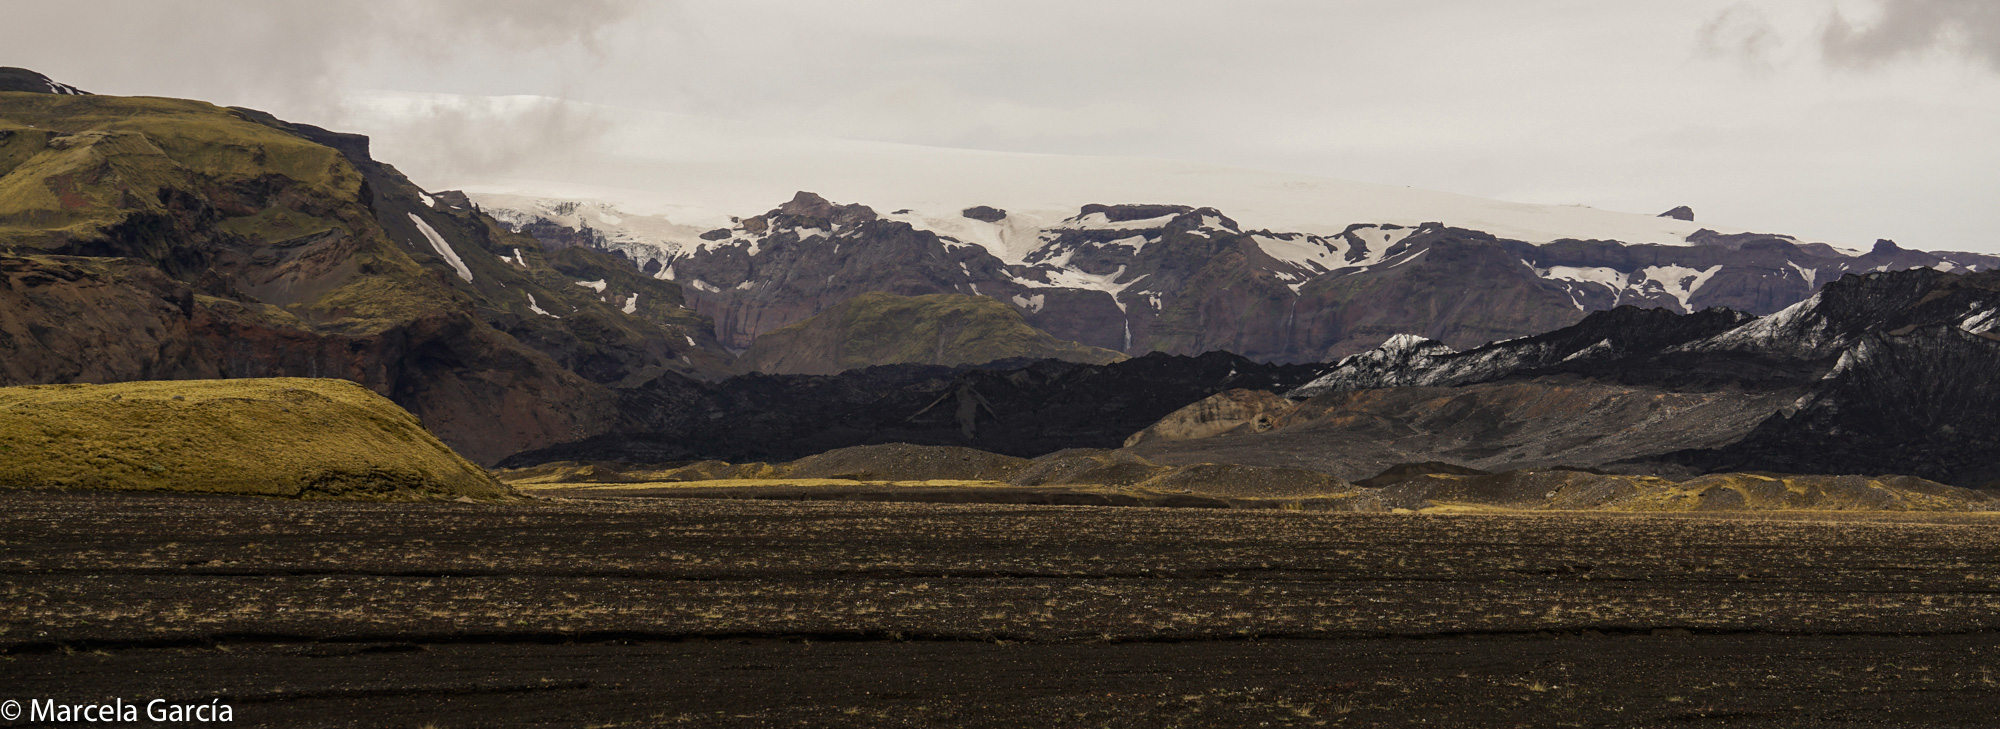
column 291, row 437
column 750, row 482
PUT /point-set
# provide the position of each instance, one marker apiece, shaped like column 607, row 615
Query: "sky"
column 1840, row 120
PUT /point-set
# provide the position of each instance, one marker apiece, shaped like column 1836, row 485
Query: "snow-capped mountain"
column 1180, row 279
column 1130, row 254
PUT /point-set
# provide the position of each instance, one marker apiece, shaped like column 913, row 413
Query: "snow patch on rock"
column 532, row 306
column 1680, row 282
column 443, row 247
column 1401, row 361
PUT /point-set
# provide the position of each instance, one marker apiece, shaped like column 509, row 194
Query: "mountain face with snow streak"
column 1185, row 280
column 1892, row 372
column 1794, row 346
column 182, row 240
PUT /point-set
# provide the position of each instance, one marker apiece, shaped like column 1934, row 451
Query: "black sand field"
column 687, row 612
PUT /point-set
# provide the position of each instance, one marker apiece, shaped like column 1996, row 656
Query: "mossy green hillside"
column 70, row 163
column 942, row 329
column 286, row 437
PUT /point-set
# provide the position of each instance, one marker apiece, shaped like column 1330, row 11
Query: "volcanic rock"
column 985, row 214
column 1251, row 411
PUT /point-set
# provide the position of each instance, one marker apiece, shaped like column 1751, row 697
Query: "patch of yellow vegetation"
column 1772, row 492
column 1455, row 508
column 748, row 483
column 290, row 437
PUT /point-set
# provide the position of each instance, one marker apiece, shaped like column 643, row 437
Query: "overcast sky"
column 1844, row 120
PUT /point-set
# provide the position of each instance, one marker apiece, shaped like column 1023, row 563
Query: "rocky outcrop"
column 939, row 329
column 1792, row 348
column 1232, row 411
column 26, row 81
column 985, row 214
column 1680, row 213
column 1613, row 344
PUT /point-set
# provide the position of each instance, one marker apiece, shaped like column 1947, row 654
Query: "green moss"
column 265, row 314
column 291, row 437
column 70, row 165
column 368, row 305
column 276, row 224
column 202, row 137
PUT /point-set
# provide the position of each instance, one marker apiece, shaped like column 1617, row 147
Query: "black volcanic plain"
column 673, row 612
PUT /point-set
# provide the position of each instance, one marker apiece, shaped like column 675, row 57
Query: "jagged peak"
column 983, row 213
column 810, row 206
column 1414, row 344
column 1130, row 213
column 1846, row 309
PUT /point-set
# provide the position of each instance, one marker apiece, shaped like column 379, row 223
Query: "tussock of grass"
column 290, row 437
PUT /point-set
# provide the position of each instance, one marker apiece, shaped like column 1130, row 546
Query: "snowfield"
column 661, row 179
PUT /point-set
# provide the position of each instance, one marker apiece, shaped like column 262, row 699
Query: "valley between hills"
column 278, row 425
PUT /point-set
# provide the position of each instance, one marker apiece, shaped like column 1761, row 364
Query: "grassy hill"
column 878, row 328
column 288, row 437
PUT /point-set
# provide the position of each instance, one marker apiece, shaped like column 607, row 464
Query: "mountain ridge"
column 884, row 329
column 1184, row 279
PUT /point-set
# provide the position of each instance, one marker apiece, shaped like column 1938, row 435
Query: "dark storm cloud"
column 1914, row 27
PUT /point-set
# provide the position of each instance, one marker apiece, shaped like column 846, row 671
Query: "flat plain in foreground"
column 665, row 612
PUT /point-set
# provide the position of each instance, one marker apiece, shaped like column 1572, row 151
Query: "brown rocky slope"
column 883, row 329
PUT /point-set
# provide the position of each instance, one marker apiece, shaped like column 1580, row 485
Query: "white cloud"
column 930, row 111
column 1752, row 111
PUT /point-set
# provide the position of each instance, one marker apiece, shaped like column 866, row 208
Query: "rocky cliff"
column 148, row 238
